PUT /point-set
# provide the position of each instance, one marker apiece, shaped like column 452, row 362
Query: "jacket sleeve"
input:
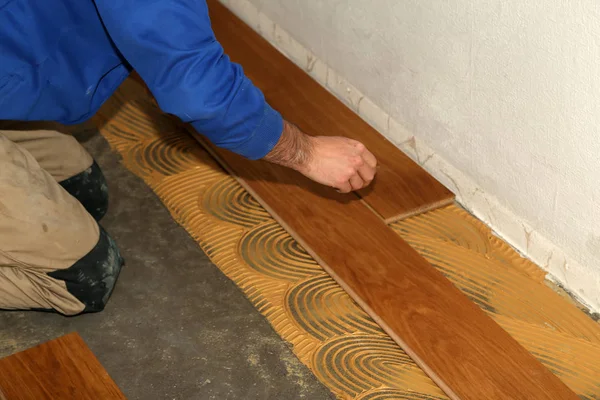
column 170, row 43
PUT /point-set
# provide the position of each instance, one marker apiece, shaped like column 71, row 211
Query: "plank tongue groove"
column 401, row 189
column 462, row 349
column 61, row 369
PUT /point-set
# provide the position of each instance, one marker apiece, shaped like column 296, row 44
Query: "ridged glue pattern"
column 324, row 310
column 284, row 259
column 342, row 345
column 391, row 394
column 357, row 363
column 229, row 202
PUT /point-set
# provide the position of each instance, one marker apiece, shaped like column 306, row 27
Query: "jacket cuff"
column 264, row 138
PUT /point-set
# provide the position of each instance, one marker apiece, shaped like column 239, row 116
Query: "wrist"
column 293, row 150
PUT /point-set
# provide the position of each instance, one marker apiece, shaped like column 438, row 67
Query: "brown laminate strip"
column 462, row 349
column 61, row 369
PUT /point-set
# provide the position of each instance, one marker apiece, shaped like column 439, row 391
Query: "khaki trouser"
column 43, row 229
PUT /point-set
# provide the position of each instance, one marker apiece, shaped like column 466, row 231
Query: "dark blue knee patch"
column 92, row 279
column 89, row 187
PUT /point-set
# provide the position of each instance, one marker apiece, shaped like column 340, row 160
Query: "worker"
column 59, row 61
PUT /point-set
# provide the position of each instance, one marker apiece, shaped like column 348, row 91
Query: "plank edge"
column 420, row 210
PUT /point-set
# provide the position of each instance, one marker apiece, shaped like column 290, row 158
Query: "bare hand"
column 339, row 162
column 342, row 163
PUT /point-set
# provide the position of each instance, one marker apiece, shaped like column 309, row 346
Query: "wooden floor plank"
column 401, row 189
column 462, row 349
column 62, row 369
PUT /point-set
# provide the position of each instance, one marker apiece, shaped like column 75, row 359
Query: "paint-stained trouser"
column 53, row 253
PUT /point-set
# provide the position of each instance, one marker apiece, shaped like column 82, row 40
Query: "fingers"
column 367, row 166
column 367, row 173
column 362, row 171
column 365, row 154
column 370, row 159
column 343, row 163
column 344, row 187
column 356, row 182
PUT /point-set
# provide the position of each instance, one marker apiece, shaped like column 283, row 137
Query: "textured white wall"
column 506, row 91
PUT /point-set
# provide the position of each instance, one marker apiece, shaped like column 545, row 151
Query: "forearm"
column 170, row 43
column 293, row 150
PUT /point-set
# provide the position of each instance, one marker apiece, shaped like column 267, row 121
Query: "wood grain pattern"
column 62, row 369
column 401, row 189
column 462, row 349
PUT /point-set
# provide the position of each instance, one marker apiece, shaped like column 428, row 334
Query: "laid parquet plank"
column 462, row 349
column 61, row 369
column 401, row 189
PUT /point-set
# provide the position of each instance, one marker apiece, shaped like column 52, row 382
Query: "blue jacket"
column 61, row 59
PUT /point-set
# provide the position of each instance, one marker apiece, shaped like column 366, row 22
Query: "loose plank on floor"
column 462, row 349
column 61, row 369
column 402, row 188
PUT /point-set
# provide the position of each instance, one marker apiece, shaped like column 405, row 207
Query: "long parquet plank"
column 401, row 189
column 462, row 349
column 61, row 369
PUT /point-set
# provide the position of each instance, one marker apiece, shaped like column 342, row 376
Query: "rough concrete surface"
column 175, row 327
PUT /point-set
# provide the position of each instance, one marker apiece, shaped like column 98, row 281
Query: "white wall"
column 502, row 95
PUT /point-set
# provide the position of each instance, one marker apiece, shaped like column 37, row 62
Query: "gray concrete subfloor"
column 175, row 327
